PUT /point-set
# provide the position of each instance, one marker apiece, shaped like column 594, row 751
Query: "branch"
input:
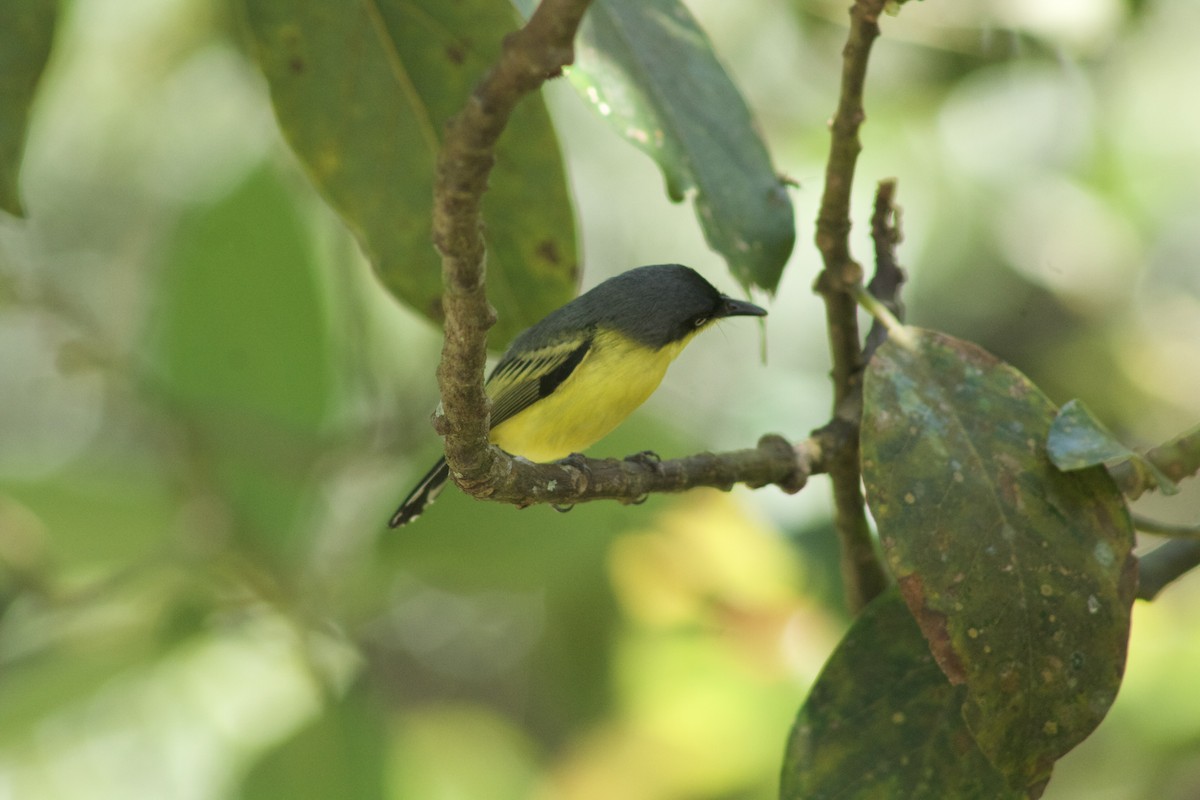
column 579, row 480
column 889, row 277
column 1175, row 531
column 863, row 575
column 1176, row 459
column 530, row 55
column 538, row 51
column 1163, row 565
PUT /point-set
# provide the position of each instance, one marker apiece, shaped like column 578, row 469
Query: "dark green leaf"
column 883, row 722
column 648, row 68
column 362, row 93
column 26, row 32
column 1020, row 575
column 1078, row 440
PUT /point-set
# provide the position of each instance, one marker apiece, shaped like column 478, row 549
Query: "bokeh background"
column 209, row 407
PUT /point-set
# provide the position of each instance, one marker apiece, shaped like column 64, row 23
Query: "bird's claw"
column 647, row 458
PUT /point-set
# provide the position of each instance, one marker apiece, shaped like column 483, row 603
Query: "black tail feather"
column 422, row 495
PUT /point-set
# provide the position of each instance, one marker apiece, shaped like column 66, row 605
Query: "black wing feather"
column 518, row 383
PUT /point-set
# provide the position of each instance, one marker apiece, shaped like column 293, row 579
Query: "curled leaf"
column 1078, row 440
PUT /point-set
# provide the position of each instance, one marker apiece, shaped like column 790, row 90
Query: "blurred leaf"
column 649, row 69
column 1078, row 440
column 62, row 646
column 1020, row 575
column 341, row 754
column 883, row 722
column 530, row 606
column 26, row 33
column 241, row 339
column 453, row 750
column 362, row 93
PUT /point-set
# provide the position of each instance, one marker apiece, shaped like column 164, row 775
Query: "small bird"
column 571, row 378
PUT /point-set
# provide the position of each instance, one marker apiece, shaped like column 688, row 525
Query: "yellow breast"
column 615, row 377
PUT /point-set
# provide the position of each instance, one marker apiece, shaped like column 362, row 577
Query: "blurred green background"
column 209, row 408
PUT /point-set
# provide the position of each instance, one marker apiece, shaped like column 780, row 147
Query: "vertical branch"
column 863, row 575
column 889, row 277
column 530, row 55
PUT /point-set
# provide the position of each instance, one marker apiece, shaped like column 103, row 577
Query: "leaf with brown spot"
column 362, row 92
column 882, row 722
column 1022, row 568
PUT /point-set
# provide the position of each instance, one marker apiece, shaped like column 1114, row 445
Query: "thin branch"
column 1175, row 460
column 538, row 51
column 1163, row 565
column 1178, row 458
column 1153, row 526
column 863, row 575
column 889, row 277
column 580, row 480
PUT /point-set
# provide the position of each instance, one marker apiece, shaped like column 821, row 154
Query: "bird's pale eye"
column 699, row 321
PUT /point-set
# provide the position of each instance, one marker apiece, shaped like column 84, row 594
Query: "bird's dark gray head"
column 653, row 305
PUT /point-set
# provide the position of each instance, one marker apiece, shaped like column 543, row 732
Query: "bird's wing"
column 519, row 381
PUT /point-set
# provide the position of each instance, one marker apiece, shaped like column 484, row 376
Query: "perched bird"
column 571, row 378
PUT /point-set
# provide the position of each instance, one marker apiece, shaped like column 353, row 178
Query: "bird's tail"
column 422, row 494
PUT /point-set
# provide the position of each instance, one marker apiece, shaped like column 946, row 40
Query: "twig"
column 889, row 277
column 1153, row 526
column 1178, row 458
column 863, row 575
column 1175, row 460
column 540, row 50
column 580, row 480
column 1163, row 565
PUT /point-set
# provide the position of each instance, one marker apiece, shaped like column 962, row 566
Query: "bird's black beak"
column 739, row 308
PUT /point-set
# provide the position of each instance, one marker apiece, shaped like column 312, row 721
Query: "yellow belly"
column 614, row 378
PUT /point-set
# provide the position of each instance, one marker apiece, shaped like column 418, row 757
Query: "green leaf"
column 241, row 342
column 883, row 722
column 1078, row 440
column 1019, row 575
column 341, row 754
column 26, row 33
column 362, row 92
column 648, row 68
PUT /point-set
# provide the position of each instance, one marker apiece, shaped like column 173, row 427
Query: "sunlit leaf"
column 648, row 68
column 1020, row 575
column 1078, row 440
column 883, row 722
column 362, row 93
column 26, row 32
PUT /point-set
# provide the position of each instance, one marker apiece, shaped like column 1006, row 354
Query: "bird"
column 571, row 378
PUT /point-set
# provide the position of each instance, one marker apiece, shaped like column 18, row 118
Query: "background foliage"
column 209, row 408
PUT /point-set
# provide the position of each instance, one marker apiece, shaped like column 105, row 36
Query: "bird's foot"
column 647, row 458
column 575, row 460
